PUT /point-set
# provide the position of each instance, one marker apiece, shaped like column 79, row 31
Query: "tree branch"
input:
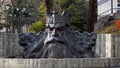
column 2, row 3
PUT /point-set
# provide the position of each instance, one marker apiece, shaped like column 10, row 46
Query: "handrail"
column 106, row 12
column 102, row 1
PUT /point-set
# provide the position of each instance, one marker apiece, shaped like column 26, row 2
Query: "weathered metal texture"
column 101, row 49
column 58, row 41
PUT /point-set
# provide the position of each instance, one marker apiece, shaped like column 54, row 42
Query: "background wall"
column 107, row 45
column 9, row 45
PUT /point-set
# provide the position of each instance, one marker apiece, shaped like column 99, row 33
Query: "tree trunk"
column 12, row 23
column 2, row 3
column 49, row 6
column 92, row 15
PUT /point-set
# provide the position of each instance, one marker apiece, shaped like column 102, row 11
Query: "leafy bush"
column 37, row 27
column 40, row 24
column 77, row 11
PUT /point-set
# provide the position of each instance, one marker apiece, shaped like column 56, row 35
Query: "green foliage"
column 35, row 12
column 29, row 12
column 1, row 25
column 112, row 29
column 78, row 14
column 77, row 11
column 42, row 13
column 37, row 27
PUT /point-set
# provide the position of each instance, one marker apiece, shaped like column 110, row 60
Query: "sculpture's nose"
column 54, row 33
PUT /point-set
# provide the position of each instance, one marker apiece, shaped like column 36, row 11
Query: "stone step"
column 61, row 63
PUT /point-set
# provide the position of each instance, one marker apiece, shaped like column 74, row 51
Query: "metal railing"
column 102, row 1
column 108, row 12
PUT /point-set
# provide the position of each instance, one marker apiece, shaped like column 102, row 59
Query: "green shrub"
column 37, row 27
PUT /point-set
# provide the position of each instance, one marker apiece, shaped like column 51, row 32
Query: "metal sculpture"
column 58, row 41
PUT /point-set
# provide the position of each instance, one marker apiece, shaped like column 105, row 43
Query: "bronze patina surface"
column 58, row 41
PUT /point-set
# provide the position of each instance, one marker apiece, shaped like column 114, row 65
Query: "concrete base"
column 61, row 63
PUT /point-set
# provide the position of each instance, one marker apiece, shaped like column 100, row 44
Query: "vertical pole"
column 92, row 12
column 108, row 45
column 111, row 6
column 6, row 19
column 12, row 20
column 49, row 5
column 19, row 22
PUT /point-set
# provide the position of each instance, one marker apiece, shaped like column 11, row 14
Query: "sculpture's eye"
column 60, row 29
column 51, row 29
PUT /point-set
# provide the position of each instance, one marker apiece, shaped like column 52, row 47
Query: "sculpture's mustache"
column 55, row 40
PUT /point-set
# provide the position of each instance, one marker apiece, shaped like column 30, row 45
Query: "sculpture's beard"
column 56, row 50
column 56, row 47
column 56, row 40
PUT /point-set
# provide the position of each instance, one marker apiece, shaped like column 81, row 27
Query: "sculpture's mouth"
column 56, row 41
column 51, row 41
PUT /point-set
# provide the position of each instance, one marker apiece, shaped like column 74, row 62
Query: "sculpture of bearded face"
column 56, row 29
column 60, row 41
column 55, row 33
column 56, row 39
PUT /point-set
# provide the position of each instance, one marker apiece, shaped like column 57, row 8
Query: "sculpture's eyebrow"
column 60, row 27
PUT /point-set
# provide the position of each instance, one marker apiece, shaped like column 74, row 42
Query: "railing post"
column 111, row 6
